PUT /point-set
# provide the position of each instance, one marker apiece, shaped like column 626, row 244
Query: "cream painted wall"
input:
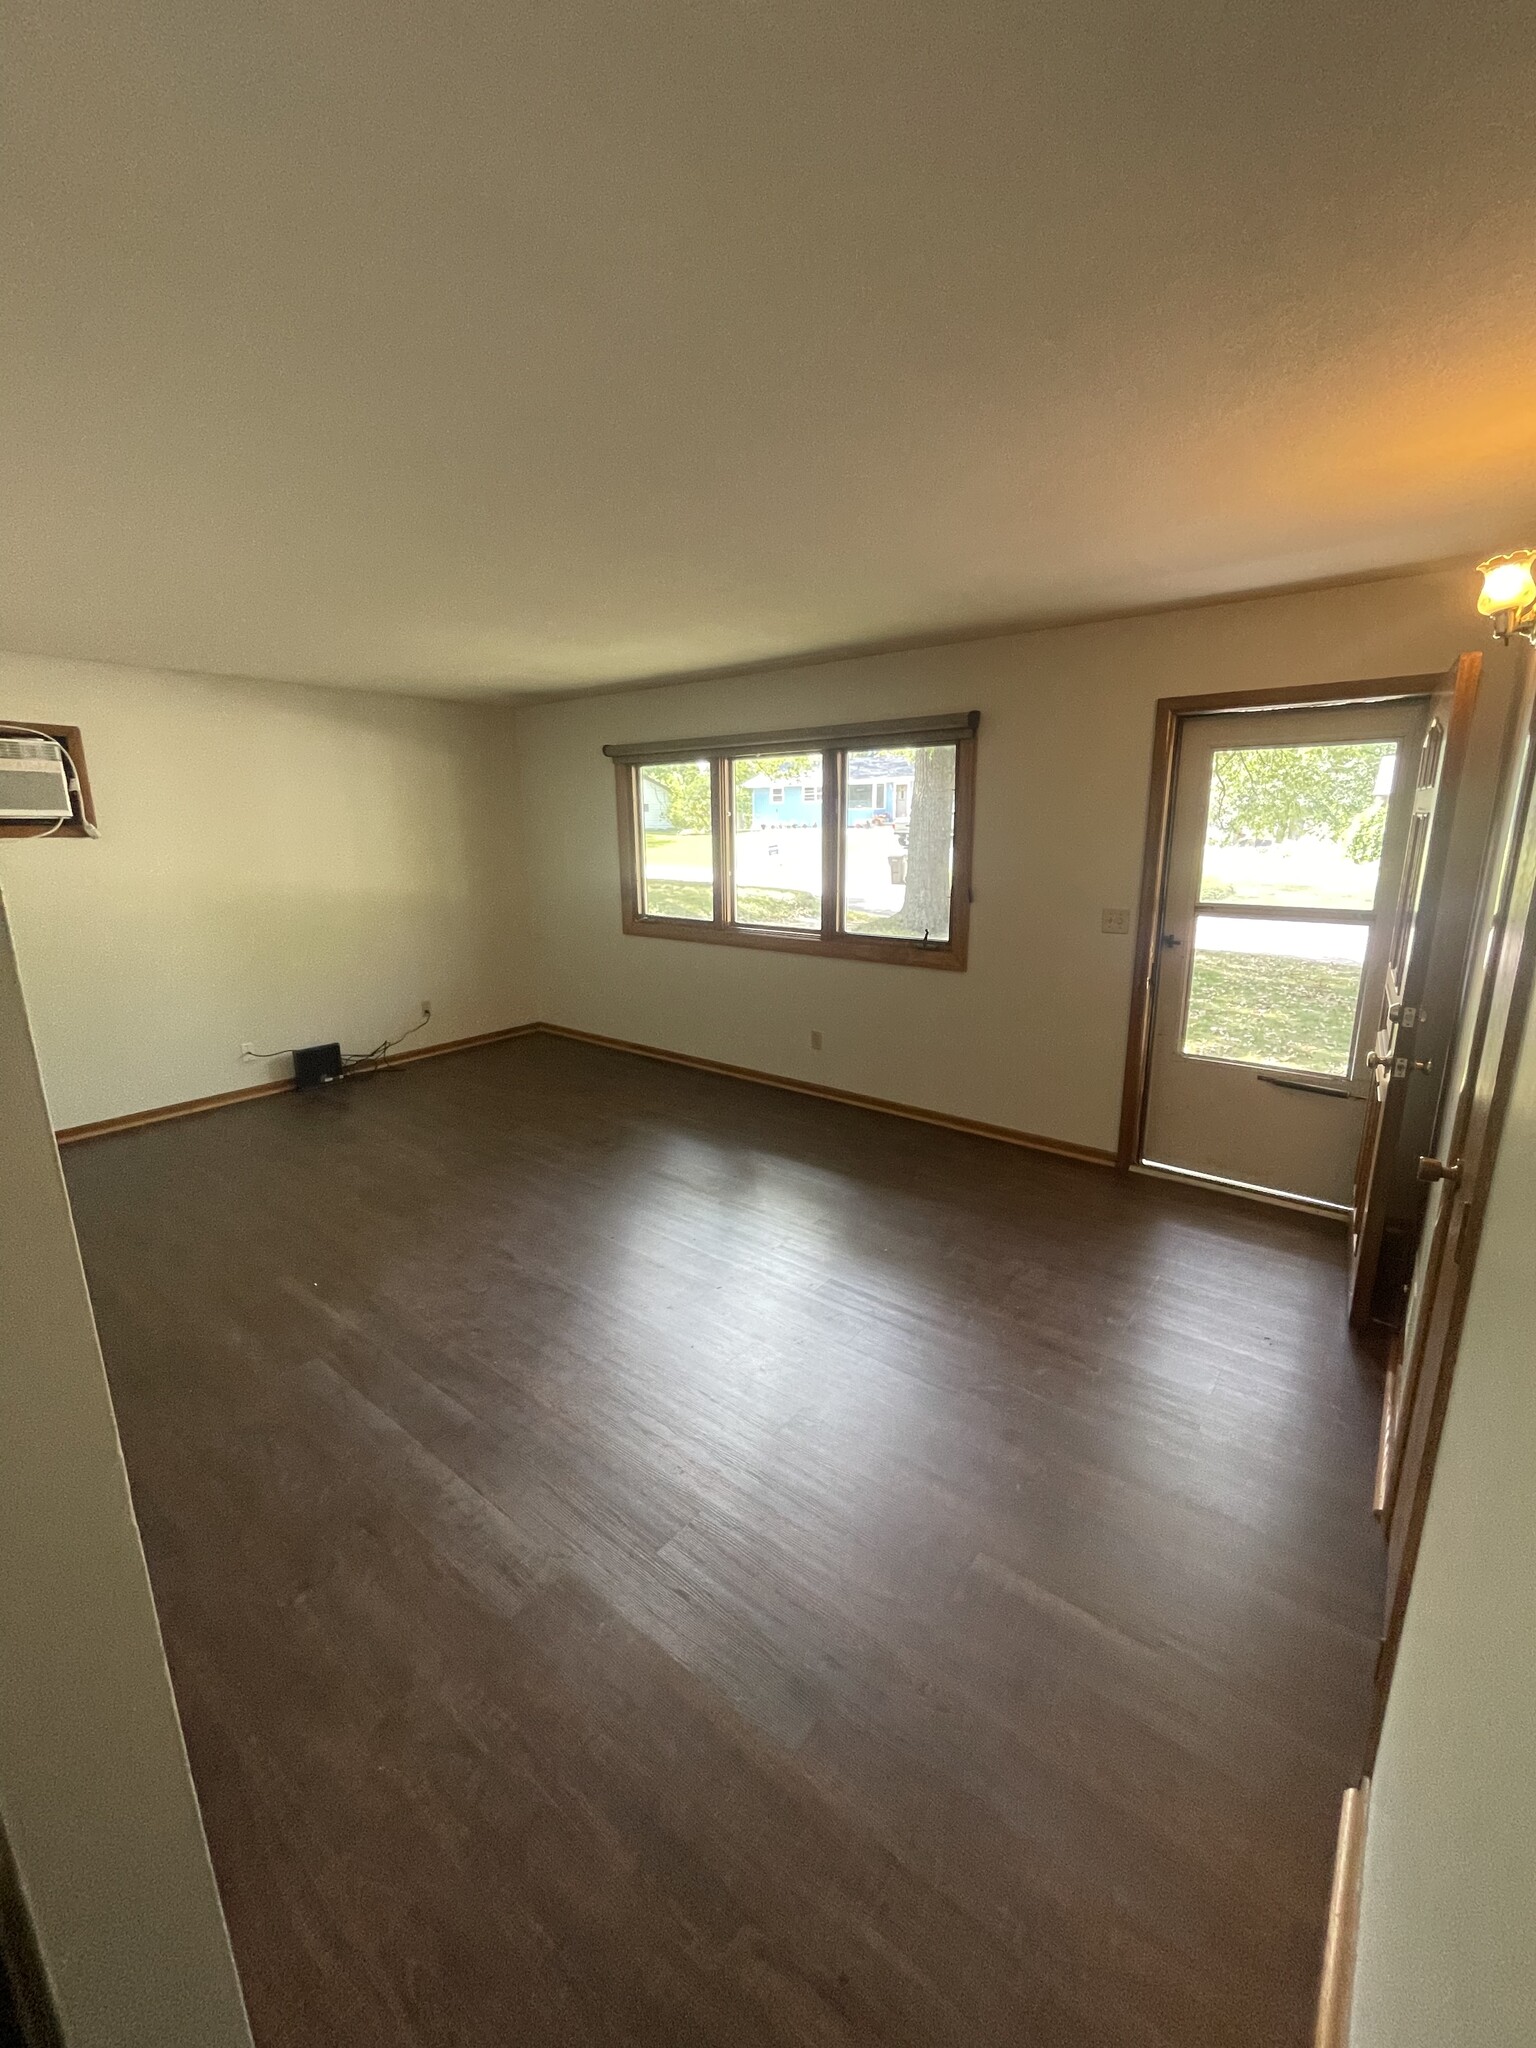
column 96, row 1801
column 1447, row 1955
column 282, row 864
column 1032, row 1036
column 276, row 864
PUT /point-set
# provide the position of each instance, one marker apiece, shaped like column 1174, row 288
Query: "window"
column 898, row 879
column 852, row 841
column 1294, row 836
column 677, row 844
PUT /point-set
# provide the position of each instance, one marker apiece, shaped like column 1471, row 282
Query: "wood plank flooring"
column 649, row 1559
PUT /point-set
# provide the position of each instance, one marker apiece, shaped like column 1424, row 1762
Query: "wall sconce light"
column 1509, row 594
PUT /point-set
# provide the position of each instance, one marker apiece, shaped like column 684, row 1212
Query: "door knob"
column 1437, row 1169
column 1373, row 1060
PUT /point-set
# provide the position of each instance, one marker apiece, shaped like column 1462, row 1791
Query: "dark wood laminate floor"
column 649, row 1559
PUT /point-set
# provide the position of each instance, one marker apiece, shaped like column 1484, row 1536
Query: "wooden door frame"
column 1170, row 714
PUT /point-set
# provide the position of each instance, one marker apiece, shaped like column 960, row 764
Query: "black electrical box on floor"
column 313, row 1064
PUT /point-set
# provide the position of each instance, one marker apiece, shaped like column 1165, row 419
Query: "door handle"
column 1171, row 939
column 1438, row 1169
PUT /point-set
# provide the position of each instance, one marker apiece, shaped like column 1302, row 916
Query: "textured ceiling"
column 473, row 344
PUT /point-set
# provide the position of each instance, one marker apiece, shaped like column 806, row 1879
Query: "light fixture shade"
column 1508, row 585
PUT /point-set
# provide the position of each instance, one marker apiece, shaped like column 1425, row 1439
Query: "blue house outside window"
column 879, row 792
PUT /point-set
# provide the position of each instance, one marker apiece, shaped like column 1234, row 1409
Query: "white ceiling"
column 529, row 344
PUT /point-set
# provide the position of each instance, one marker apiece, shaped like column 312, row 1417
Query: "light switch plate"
column 1115, row 921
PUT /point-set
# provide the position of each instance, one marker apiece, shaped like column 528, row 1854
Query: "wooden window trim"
column 81, row 823
column 834, row 742
column 944, row 728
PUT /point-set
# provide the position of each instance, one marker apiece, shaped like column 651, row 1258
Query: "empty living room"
column 767, row 1081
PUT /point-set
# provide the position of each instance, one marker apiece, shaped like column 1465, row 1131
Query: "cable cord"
column 350, row 1061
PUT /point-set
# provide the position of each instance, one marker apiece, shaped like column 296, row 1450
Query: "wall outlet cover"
column 815, row 1041
column 1115, row 921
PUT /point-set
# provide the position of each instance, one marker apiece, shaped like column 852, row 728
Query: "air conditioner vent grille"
column 33, row 784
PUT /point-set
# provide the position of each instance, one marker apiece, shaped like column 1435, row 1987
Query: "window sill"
column 829, row 946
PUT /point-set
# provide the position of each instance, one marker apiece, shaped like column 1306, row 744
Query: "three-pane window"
column 853, row 841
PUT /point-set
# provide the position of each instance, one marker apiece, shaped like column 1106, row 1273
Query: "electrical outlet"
column 426, row 1007
column 1115, row 921
column 815, row 1041
column 247, row 1050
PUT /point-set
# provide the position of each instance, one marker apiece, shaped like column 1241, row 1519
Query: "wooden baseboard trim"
column 1388, row 1428
column 431, row 1052
column 136, row 1120
column 1336, row 1992
column 1029, row 1140
column 75, row 1134
column 110, row 1126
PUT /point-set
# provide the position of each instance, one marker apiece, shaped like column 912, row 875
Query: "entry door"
column 1287, row 842
column 1459, row 1173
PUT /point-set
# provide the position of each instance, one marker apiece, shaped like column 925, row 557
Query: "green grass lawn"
column 682, row 849
column 1272, row 1011
column 680, row 899
column 796, row 908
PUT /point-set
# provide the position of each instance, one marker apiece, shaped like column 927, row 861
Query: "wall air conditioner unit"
column 34, row 782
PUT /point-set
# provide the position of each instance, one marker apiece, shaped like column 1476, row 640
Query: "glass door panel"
column 1289, row 830
column 1297, row 827
column 1275, row 992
